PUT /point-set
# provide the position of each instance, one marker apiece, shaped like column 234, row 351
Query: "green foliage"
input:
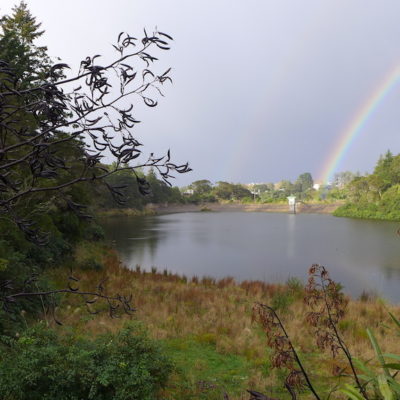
column 342, row 179
column 205, row 191
column 17, row 34
column 336, row 193
column 48, row 211
column 295, row 286
column 304, row 183
column 382, row 383
column 375, row 196
column 88, row 256
column 94, row 232
column 43, row 365
column 282, row 300
column 202, row 372
column 160, row 192
column 201, row 187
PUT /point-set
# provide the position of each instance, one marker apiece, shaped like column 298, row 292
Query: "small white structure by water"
column 292, row 204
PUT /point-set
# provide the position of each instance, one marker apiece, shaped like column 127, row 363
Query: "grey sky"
column 262, row 89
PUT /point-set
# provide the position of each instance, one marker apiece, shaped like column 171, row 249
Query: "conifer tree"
column 18, row 33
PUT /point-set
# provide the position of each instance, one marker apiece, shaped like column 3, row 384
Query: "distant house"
column 188, row 192
column 318, row 186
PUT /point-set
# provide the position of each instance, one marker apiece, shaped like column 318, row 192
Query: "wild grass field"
column 207, row 328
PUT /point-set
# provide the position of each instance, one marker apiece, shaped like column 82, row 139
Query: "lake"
column 361, row 254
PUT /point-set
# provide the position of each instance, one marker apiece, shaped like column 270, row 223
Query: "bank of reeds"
column 218, row 313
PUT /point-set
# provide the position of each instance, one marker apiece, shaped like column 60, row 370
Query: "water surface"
column 361, row 254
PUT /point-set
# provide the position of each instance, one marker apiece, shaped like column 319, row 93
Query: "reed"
column 218, row 314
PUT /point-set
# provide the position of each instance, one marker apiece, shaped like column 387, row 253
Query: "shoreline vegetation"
column 374, row 196
column 206, row 328
column 310, row 208
column 154, row 209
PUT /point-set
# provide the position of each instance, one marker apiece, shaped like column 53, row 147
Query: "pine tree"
column 18, row 33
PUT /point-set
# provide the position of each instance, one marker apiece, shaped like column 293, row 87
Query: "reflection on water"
column 362, row 255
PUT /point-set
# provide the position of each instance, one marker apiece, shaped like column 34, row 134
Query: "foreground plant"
column 284, row 354
column 383, row 384
column 327, row 306
column 41, row 364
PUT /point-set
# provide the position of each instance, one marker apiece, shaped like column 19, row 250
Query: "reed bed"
column 218, row 314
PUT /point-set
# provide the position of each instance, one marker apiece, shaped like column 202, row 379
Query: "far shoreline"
column 159, row 209
column 301, row 208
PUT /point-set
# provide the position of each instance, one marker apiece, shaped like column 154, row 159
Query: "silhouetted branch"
column 259, row 396
column 10, row 296
column 328, row 305
column 285, row 354
column 94, row 116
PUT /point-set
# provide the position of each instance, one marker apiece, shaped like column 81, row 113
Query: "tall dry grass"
column 219, row 312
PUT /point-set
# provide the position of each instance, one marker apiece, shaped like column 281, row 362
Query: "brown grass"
column 219, row 312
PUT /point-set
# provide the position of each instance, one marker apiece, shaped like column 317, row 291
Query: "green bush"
column 89, row 256
column 94, row 232
column 43, row 365
column 282, row 300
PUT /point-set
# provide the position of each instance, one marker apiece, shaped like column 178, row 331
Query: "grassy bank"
column 206, row 328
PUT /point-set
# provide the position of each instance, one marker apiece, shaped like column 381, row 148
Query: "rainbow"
column 357, row 123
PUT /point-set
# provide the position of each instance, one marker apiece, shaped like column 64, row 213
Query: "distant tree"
column 375, row 195
column 376, row 186
column 264, row 187
column 358, row 189
column 223, row 190
column 286, row 187
column 231, row 191
column 132, row 197
column 239, row 192
column 394, row 170
column 29, row 62
column 383, row 168
column 304, row 182
column 267, row 197
column 341, row 179
column 201, row 187
column 160, row 191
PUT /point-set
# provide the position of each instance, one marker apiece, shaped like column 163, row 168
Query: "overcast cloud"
column 262, row 89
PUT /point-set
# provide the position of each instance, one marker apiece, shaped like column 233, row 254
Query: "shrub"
column 94, row 232
column 327, row 307
column 89, row 256
column 43, row 365
column 282, row 300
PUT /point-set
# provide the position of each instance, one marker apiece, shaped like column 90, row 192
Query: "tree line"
column 375, row 195
column 205, row 190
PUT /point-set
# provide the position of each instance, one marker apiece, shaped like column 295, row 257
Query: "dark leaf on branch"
column 164, row 34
